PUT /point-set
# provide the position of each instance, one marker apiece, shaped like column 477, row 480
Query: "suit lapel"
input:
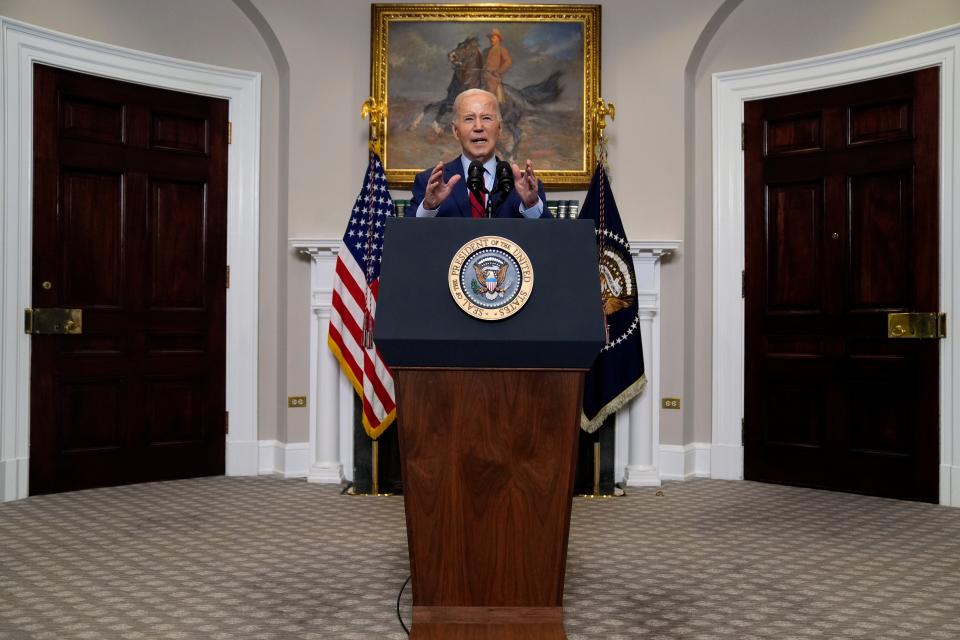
column 460, row 196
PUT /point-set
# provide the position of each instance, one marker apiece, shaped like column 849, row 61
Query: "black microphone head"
column 504, row 177
column 475, row 177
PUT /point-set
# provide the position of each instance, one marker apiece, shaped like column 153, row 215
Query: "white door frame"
column 23, row 45
column 938, row 48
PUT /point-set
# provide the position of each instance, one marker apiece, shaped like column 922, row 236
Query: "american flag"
column 355, row 289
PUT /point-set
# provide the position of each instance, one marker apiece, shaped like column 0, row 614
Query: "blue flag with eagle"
column 617, row 375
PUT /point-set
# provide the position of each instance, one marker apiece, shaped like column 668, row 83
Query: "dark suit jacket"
column 458, row 204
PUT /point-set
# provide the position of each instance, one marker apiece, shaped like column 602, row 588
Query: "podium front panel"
column 420, row 325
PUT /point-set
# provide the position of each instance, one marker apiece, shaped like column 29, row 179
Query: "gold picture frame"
column 422, row 53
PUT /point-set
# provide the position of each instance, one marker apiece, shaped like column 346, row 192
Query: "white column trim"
column 22, row 46
column 637, row 450
column 730, row 89
column 331, row 411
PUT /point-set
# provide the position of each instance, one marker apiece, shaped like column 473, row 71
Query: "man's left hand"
column 526, row 184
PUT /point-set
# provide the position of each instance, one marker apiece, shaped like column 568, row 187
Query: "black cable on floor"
column 407, row 631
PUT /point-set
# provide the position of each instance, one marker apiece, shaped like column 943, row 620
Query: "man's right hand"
column 437, row 190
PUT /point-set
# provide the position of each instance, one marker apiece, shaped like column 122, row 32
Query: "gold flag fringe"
column 613, row 406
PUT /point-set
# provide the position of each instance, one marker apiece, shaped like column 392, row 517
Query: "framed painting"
column 542, row 62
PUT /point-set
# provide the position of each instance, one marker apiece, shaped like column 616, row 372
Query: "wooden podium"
column 488, row 418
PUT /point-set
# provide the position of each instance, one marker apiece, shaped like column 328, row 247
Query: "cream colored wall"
column 646, row 47
column 761, row 32
column 214, row 32
column 328, row 48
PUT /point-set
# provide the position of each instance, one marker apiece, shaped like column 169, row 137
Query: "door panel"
column 842, row 229
column 92, row 228
column 795, row 413
column 86, row 119
column 174, row 410
column 794, row 222
column 179, row 133
column 177, row 219
column 884, row 122
column 90, row 411
column 793, row 134
column 130, row 227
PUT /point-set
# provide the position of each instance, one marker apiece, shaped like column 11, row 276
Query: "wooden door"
column 129, row 225
column 841, row 229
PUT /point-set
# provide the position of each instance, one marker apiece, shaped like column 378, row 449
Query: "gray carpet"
column 264, row 558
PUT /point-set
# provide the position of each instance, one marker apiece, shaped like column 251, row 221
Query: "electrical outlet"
column 670, row 403
column 297, row 402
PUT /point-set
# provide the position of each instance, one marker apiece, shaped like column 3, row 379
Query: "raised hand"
column 437, row 190
column 525, row 184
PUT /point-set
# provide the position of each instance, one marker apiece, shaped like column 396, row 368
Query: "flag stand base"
column 351, row 491
column 618, row 492
column 374, row 473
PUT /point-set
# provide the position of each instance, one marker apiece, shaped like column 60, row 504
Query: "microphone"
column 504, row 177
column 475, row 179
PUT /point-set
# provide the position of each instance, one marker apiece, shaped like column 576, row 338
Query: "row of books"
column 564, row 209
column 561, row 209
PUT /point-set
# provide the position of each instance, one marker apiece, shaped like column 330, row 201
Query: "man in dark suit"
column 442, row 190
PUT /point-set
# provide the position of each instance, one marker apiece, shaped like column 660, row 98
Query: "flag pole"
column 375, row 467
column 597, row 494
column 601, row 111
column 374, row 475
column 596, row 468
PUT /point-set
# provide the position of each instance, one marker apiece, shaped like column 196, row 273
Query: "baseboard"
column 241, row 457
column 287, row 459
column 13, row 479
column 679, row 462
column 726, row 461
column 949, row 485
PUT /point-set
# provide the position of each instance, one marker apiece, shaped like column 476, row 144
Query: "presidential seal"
column 490, row 278
column 617, row 288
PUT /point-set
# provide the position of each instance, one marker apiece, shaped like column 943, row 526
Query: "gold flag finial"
column 377, row 113
column 601, row 110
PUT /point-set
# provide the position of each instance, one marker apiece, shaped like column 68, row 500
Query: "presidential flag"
column 617, row 375
column 355, row 288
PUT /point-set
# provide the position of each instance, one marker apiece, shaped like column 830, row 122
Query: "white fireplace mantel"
column 330, row 395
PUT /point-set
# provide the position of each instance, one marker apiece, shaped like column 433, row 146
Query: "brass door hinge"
column 229, row 133
column 743, row 136
column 743, row 284
column 228, row 276
column 226, row 422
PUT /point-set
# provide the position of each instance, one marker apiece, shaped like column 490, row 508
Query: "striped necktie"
column 477, row 207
